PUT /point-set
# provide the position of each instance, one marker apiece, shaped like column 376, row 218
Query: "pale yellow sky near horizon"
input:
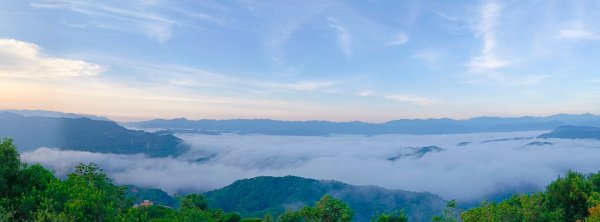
column 31, row 80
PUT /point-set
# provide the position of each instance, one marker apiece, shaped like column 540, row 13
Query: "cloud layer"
column 469, row 172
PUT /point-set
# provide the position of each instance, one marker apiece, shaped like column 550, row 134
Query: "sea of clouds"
column 491, row 164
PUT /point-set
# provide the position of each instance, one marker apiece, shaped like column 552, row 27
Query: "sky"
column 300, row 60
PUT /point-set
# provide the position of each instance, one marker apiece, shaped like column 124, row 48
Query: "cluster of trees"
column 572, row 198
column 329, row 209
column 33, row 193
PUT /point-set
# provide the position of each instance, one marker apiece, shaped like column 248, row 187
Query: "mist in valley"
column 467, row 167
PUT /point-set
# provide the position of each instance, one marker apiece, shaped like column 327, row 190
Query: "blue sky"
column 298, row 60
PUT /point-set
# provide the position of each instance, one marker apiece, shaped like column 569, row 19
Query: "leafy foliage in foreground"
column 575, row 197
column 32, row 193
column 327, row 209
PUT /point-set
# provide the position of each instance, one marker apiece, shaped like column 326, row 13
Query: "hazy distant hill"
column 257, row 196
column 574, row 132
column 406, row 126
column 85, row 134
column 46, row 113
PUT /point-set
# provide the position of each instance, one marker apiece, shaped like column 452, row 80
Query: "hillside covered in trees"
column 275, row 195
column 83, row 134
column 33, row 193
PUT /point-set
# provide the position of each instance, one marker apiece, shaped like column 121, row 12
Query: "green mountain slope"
column 257, row 196
column 83, row 134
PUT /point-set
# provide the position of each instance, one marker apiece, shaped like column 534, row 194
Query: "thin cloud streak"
column 578, row 32
column 131, row 20
column 421, row 101
column 344, row 39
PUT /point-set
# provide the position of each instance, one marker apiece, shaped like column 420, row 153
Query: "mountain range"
column 404, row 126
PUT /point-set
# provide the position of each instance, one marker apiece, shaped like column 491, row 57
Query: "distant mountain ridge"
column 83, row 134
column 574, row 132
column 405, row 126
column 46, row 113
column 275, row 195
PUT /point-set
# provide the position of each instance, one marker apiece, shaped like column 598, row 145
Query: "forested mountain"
column 574, row 132
column 405, row 126
column 85, row 134
column 275, row 195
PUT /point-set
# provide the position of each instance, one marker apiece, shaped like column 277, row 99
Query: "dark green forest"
column 33, row 193
column 257, row 196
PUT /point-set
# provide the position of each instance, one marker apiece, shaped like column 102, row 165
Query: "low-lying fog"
column 470, row 166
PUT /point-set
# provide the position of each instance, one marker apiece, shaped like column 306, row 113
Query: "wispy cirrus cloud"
column 508, row 81
column 122, row 17
column 344, row 38
column 183, row 76
column 278, row 22
column 487, row 60
column 24, row 60
column 155, row 19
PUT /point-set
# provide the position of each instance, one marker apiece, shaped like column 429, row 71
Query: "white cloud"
column 23, row 60
column 488, row 60
column 400, row 39
column 578, row 32
column 421, row 101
